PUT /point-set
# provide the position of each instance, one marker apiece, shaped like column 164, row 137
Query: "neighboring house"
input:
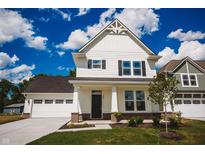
column 190, row 99
column 14, row 108
column 114, row 70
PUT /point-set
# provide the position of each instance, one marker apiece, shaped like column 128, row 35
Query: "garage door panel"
column 52, row 110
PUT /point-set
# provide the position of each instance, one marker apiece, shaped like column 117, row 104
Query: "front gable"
column 116, row 37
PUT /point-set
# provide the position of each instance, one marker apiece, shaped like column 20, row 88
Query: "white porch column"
column 76, row 101
column 114, row 105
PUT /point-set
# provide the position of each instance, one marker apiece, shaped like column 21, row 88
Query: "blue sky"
column 34, row 41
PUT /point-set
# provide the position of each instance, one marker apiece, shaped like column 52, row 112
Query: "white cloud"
column 17, row 74
column 193, row 49
column 14, row 26
column 60, row 53
column 60, row 68
column 65, row 16
column 83, row 11
column 5, row 59
column 186, row 36
column 140, row 21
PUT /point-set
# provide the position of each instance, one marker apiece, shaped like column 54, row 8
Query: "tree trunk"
column 165, row 108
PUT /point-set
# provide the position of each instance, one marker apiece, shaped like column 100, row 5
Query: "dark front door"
column 96, row 104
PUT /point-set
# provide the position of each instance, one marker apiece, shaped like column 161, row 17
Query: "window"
column 48, row 101
column 140, row 100
column 203, row 96
column 187, row 101
column 196, row 101
column 189, row 80
column 126, row 68
column 178, row 101
column 187, row 96
column 129, row 100
column 185, row 80
column 137, row 68
column 203, row 101
column 59, row 101
column 69, row 101
column 196, row 95
column 178, row 96
column 37, row 101
column 96, row 63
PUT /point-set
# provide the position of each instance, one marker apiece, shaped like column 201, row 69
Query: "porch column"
column 114, row 105
column 76, row 104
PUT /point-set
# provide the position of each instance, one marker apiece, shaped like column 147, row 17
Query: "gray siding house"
column 190, row 99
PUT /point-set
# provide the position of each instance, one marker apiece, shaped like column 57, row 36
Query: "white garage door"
column 52, row 108
column 191, row 105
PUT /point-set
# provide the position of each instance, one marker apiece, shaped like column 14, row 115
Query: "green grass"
column 194, row 133
column 9, row 118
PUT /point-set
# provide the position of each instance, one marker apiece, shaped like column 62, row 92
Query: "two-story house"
column 190, row 99
column 114, row 70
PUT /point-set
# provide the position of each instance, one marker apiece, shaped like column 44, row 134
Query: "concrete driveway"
column 198, row 118
column 25, row 131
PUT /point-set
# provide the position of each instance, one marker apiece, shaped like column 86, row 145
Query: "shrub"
column 85, row 125
column 139, row 120
column 156, row 122
column 132, row 123
column 71, row 125
column 179, row 117
column 174, row 123
column 118, row 116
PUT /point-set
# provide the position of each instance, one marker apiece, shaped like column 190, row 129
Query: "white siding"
column 50, row 110
column 113, row 48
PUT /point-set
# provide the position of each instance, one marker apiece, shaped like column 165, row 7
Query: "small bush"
column 85, row 125
column 139, row 120
column 71, row 125
column 132, row 123
column 118, row 116
column 174, row 123
column 156, row 122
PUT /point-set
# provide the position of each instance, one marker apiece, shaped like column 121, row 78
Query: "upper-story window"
column 137, row 68
column 189, row 80
column 96, row 64
column 126, row 68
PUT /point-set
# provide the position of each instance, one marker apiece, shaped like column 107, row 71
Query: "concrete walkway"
column 25, row 131
column 198, row 118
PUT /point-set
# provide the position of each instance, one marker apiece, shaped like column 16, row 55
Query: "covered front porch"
column 99, row 101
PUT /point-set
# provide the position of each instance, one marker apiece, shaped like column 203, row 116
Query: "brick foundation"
column 26, row 115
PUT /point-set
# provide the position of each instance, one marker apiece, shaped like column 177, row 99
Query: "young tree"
column 162, row 91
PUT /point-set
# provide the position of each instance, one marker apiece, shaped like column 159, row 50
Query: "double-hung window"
column 126, row 68
column 97, row 64
column 134, row 100
column 137, row 68
column 140, row 100
column 129, row 100
column 189, row 80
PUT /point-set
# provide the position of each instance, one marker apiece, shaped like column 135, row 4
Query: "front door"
column 96, row 104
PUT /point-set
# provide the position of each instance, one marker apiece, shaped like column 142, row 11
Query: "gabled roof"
column 117, row 27
column 174, row 64
column 50, row 84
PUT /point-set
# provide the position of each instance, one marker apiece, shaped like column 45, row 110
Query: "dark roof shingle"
column 50, row 84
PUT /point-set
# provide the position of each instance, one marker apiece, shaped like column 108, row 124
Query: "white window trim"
column 135, row 101
column 182, row 81
column 132, row 68
column 138, row 68
column 100, row 64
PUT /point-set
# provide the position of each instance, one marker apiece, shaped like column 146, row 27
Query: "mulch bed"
column 125, row 125
column 171, row 135
column 77, row 126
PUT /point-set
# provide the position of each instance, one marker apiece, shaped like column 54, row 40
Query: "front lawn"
column 193, row 133
column 9, row 118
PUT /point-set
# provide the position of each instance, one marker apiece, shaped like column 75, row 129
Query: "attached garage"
column 191, row 105
column 49, row 97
